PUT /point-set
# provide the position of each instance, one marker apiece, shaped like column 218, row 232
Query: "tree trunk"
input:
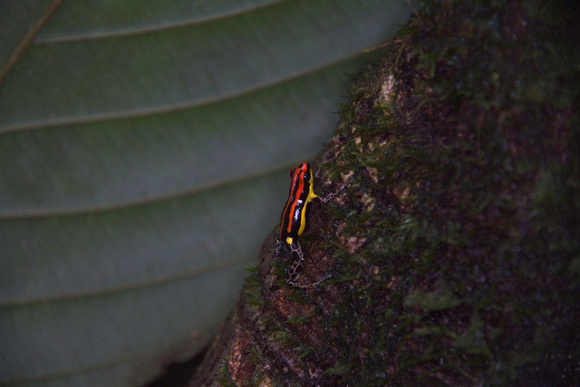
column 452, row 245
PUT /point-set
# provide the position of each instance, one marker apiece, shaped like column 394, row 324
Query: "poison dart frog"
column 294, row 219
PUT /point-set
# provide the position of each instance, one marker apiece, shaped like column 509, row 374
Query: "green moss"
column 300, row 318
column 473, row 339
column 252, row 267
column 223, row 376
column 252, row 290
column 440, row 299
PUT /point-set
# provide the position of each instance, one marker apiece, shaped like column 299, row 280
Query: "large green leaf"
column 144, row 150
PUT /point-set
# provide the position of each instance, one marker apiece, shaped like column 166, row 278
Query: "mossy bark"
column 454, row 246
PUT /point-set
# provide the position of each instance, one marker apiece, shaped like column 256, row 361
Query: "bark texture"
column 454, row 243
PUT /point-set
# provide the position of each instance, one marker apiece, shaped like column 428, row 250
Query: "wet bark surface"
column 453, row 242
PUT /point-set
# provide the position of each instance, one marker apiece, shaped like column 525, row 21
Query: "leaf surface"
column 144, row 156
